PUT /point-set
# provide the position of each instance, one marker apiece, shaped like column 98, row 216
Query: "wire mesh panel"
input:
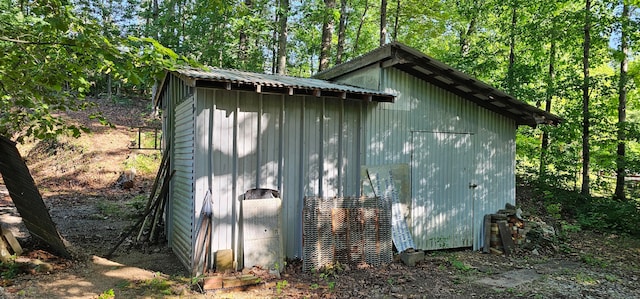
column 346, row 230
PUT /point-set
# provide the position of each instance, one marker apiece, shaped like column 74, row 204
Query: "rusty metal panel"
column 27, row 198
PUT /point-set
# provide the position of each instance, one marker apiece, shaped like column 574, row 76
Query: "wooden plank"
column 224, row 260
column 487, row 234
column 5, row 255
column 244, row 280
column 505, row 235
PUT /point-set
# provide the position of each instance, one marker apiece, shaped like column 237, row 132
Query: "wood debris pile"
column 505, row 230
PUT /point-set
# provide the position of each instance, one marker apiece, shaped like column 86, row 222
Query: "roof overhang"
column 270, row 84
column 444, row 76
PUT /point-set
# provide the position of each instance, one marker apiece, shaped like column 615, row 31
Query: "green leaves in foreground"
column 49, row 56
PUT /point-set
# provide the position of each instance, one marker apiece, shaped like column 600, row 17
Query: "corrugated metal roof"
column 446, row 77
column 265, row 81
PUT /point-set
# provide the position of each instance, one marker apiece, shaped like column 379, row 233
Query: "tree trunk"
column 383, row 22
column 327, row 34
column 274, row 44
column 547, row 107
column 362, row 19
column 512, row 46
column 465, row 44
column 585, row 99
column 282, row 38
column 619, row 194
column 342, row 28
column 243, row 42
column 395, row 23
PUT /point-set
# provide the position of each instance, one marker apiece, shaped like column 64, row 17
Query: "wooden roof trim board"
column 444, row 76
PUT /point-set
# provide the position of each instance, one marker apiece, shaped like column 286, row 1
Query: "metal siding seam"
column 258, row 143
column 234, row 189
column 321, row 149
column 281, row 145
column 362, row 158
column 301, row 167
column 340, row 163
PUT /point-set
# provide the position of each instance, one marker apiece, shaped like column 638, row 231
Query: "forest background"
column 576, row 59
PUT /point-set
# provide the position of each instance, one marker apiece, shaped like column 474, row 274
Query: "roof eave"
column 440, row 74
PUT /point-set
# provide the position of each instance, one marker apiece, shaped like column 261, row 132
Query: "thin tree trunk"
column 327, row 34
column 547, row 107
column 342, row 28
column 383, row 22
column 109, row 86
column 282, row 38
column 275, row 43
column 622, row 106
column 243, row 42
column 155, row 15
column 465, row 44
column 585, row 99
column 512, row 46
column 395, row 23
column 362, row 19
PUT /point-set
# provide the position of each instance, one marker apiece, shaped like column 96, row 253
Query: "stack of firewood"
column 504, row 230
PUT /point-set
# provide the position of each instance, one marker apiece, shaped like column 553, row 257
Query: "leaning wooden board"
column 505, row 236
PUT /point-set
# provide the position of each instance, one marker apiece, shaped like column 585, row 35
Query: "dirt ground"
column 76, row 178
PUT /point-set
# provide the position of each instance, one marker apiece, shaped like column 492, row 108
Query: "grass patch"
column 459, row 265
column 156, row 286
column 108, row 208
column 9, row 269
column 593, row 261
column 585, row 279
column 145, row 164
column 108, row 294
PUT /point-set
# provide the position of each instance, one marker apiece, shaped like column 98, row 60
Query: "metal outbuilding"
column 230, row 131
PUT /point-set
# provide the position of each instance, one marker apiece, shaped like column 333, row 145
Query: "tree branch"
column 26, row 42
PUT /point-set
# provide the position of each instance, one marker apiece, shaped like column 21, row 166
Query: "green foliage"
column 594, row 213
column 331, row 285
column 593, row 261
column 554, row 210
column 109, row 208
column 459, row 265
column 608, row 215
column 138, row 203
column 9, row 269
column 144, row 163
column 281, row 285
column 157, row 285
column 584, row 278
column 50, row 56
column 108, row 294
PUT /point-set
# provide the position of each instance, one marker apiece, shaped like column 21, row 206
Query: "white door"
column 442, row 186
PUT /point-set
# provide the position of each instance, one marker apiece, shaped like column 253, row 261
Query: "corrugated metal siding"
column 495, row 152
column 293, row 164
column 182, row 191
column 423, row 108
column 442, row 206
column 294, row 144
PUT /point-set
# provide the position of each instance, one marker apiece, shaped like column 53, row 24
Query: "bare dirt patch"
column 77, row 179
